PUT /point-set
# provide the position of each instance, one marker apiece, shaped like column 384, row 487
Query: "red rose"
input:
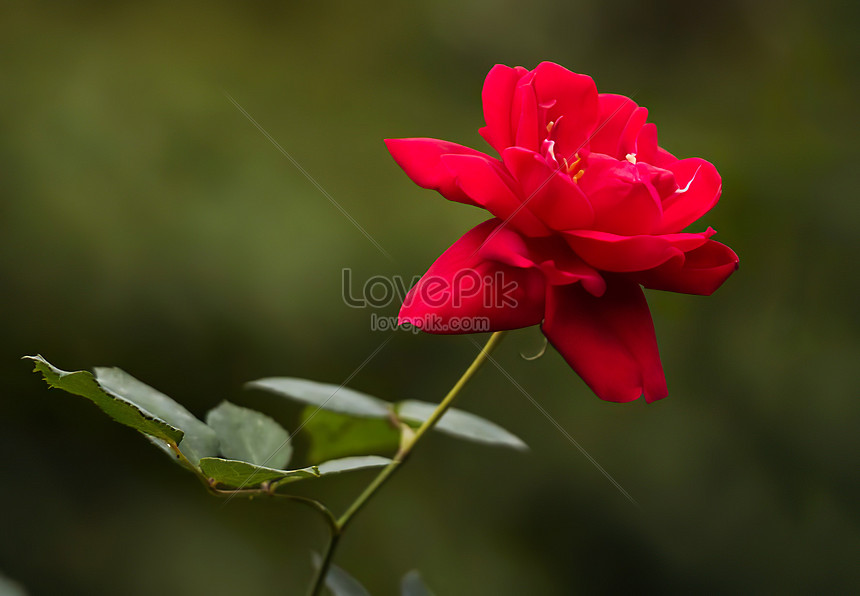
column 587, row 208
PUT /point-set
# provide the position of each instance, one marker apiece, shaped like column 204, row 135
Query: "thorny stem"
column 400, row 457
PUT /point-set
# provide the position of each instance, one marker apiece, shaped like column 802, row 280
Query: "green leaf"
column 329, row 431
column 118, row 407
column 347, row 464
column 250, row 436
column 199, row 440
column 331, row 435
column 413, row 585
column 460, row 424
column 239, row 474
column 335, row 398
column 339, row 581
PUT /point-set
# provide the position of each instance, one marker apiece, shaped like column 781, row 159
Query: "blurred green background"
column 145, row 223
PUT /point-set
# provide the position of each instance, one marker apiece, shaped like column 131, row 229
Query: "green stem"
column 399, row 458
column 254, row 492
column 316, row 505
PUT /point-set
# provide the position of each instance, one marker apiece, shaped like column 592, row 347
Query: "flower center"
column 573, row 167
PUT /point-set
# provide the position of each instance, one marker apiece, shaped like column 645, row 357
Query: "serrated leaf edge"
column 147, row 415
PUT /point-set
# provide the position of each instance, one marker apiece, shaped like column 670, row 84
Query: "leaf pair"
column 241, row 448
column 341, row 421
column 253, row 447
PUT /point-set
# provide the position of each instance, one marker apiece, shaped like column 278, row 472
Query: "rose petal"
column 421, row 159
column 663, row 159
column 649, row 151
column 524, row 114
column 611, row 252
column 564, row 268
column 699, row 188
column 614, row 112
column 609, row 341
column 662, row 180
column 631, row 131
column 703, row 270
column 549, row 193
column 568, row 94
column 489, row 186
column 463, row 286
column 624, row 201
column 498, row 96
column 551, row 256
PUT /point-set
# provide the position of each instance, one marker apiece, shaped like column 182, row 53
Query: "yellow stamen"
column 570, row 167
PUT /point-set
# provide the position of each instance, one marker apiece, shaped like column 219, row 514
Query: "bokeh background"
column 145, row 223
